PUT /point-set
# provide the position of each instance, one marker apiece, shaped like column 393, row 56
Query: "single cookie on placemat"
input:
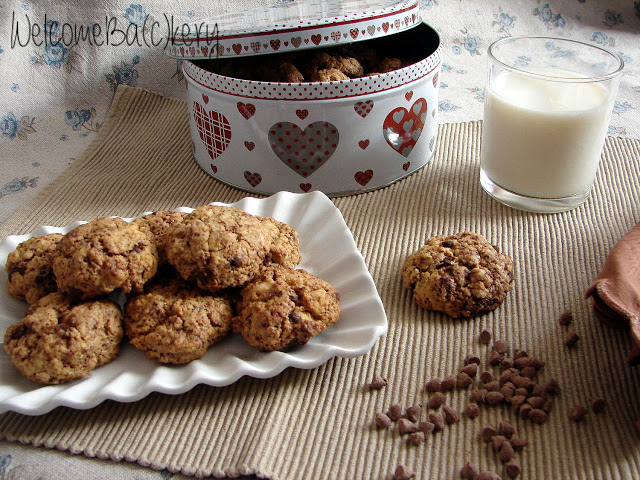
column 174, row 322
column 62, row 340
column 104, row 255
column 460, row 275
column 155, row 225
column 29, row 268
column 284, row 307
column 218, row 247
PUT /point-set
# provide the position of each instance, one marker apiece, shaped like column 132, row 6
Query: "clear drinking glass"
column 548, row 103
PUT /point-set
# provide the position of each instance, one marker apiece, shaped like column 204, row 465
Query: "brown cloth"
column 616, row 290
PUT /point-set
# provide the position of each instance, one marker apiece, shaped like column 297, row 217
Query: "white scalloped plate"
column 328, row 250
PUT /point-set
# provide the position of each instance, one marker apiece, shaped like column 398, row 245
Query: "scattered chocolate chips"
column 487, row 433
column 426, row 427
column 416, row 438
column 436, row 400
column 517, row 442
column 464, row 380
column 506, row 452
column 382, row 420
column 378, row 381
column 433, row 385
column 472, row 358
column 506, row 429
column 449, row 382
column 438, row 421
column 395, row 412
column 413, row 412
column 577, row 413
column 486, row 376
column 537, row 415
column 501, row 346
column 450, row 414
column 470, row 369
column 471, row 410
column 494, row 398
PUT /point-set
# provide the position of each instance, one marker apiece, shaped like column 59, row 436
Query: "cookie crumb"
column 378, row 382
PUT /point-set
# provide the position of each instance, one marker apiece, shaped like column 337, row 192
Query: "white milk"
column 545, row 144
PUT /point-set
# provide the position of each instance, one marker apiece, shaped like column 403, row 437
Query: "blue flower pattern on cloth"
column 80, row 78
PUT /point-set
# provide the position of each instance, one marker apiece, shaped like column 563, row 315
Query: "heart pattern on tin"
column 304, row 151
column 302, row 113
column 363, row 143
column 247, row 110
column 214, row 130
column 402, row 128
column 363, row 108
column 363, row 177
column 405, row 166
column 305, row 187
column 253, row 178
column 249, row 145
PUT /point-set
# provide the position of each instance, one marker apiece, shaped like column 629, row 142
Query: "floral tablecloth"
column 61, row 65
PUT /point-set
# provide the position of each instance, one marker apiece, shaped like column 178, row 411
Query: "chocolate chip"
column 406, row 426
column 464, row 379
column 395, row 412
column 413, row 413
column 571, row 339
column 488, row 433
column 403, row 473
column 506, row 429
column 501, row 346
column 449, row 382
column 427, row 427
column 565, row 318
column 471, row 410
column 598, row 405
column 19, row 267
column 471, row 370
column 492, row 386
column 18, row 331
column 472, row 358
column 469, row 471
column 485, row 337
column 517, row 442
column 577, row 413
column 497, row 441
column 537, row 415
column 479, row 396
column 433, row 385
column 417, row 438
column 536, row 402
column 486, row 377
column 382, row 420
column 235, row 262
column 552, row 386
column 438, row 421
column 378, row 380
column 495, row 358
column 524, row 410
column 506, row 452
column 513, row 469
column 450, row 415
column 436, row 400
column 447, row 244
column 295, row 318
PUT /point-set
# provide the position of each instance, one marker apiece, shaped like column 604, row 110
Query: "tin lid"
column 294, row 25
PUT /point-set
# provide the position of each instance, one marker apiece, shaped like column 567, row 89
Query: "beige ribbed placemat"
column 318, row 424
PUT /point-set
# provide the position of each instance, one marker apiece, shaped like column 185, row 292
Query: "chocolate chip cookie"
column 283, row 307
column 174, row 322
column 104, row 255
column 460, row 275
column 155, row 226
column 217, row 247
column 61, row 340
column 28, row 267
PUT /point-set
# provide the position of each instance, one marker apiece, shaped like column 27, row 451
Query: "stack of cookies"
column 189, row 279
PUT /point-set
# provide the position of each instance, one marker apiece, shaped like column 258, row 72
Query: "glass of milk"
column 547, row 108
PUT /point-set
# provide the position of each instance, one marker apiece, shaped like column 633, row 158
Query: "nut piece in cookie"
column 104, row 255
column 460, row 275
column 62, row 340
column 285, row 307
column 155, row 226
column 174, row 322
column 29, row 268
column 218, row 247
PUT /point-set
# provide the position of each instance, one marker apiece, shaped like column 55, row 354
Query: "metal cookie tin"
column 339, row 137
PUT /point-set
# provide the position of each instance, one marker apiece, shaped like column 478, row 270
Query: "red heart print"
column 363, row 177
column 335, row 36
column 305, row 187
column 385, row 27
column 205, row 98
column 363, row 143
column 214, row 130
column 246, row 109
column 302, row 114
column 275, row 44
column 405, row 166
column 295, row 41
column 402, row 128
column 252, row 178
column 214, row 169
column 255, row 46
column 237, row 48
column 205, row 50
column 304, row 151
column 250, row 145
column 192, row 51
column 354, row 33
column 316, row 39
column 363, row 108
column 408, row 95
